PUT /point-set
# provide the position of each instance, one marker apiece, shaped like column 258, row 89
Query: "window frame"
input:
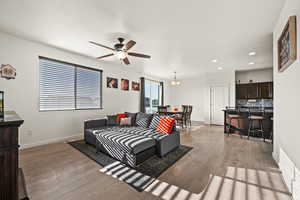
column 76, row 66
column 159, row 91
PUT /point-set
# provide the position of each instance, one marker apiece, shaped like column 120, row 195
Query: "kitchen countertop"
column 267, row 110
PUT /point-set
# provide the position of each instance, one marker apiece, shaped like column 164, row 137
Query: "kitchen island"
column 245, row 112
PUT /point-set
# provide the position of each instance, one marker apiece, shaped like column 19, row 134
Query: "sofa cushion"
column 120, row 116
column 133, row 117
column 143, row 119
column 125, row 121
column 112, row 120
column 125, row 142
column 166, row 125
column 154, row 122
column 144, row 132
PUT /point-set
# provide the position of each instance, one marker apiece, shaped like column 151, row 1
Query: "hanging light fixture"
column 175, row 82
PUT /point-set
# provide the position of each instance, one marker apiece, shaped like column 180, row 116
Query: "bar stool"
column 259, row 116
column 233, row 116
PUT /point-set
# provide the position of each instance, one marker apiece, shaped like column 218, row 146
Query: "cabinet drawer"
column 8, row 136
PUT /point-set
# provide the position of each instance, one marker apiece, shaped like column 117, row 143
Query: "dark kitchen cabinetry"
column 254, row 91
column 266, row 90
column 241, row 91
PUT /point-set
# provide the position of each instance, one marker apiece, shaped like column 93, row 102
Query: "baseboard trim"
column 50, row 141
column 275, row 157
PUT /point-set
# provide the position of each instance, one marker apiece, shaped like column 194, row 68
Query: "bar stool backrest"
column 232, row 110
column 256, row 111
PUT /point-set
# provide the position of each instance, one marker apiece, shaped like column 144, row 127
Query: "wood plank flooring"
column 219, row 167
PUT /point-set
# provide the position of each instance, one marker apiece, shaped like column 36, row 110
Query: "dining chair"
column 189, row 115
column 181, row 117
column 162, row 109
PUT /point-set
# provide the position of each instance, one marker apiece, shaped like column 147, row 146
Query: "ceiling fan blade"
column 126, row 61
column 95, row 43
column 105, row 56
column 138, row 55
column 129, row 44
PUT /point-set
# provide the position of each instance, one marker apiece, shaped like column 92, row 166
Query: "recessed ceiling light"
column 214, row 61
column 251, row 63
column 220, row 68
column 253, row 53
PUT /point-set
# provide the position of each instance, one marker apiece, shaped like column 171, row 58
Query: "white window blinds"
column 88, row 88
column 65, row 86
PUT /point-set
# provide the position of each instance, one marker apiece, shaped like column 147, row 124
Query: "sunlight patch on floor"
column 236, row 184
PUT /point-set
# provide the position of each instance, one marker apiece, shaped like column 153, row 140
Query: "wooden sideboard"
column 9, row 156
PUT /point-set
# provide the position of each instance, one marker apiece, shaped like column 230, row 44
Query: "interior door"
column 219, row 99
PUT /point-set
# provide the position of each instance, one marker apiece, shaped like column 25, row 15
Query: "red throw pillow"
column 119, row 116
column 165, row 125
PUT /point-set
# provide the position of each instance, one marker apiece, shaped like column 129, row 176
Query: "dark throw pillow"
column 143, row 119
column 132, row 116
column 112, row 120
column 154, row 122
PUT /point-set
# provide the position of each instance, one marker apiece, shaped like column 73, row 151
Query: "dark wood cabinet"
column 254, row 91
column 271, row 90
column 266, row 90
column 241, row 91
column 9, row 155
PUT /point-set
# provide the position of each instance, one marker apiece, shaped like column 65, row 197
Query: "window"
column 153, row 97
column 65, row 86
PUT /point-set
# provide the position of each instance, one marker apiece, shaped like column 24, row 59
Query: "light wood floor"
column 219, row 167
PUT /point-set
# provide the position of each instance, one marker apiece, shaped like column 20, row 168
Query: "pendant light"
column 175, row 82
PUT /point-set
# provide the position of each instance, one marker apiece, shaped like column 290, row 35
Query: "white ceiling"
column 179, row 35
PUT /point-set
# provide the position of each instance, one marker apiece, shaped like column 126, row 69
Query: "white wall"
column 287, row 95
column 22, row 94
column 196, row 92
column 261, row 75
column 190, row 92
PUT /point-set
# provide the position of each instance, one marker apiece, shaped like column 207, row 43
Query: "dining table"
column 171, row 112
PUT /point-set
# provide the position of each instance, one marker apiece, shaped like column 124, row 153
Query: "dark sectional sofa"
column 131, row 145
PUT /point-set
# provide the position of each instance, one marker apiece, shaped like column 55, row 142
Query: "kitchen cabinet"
column 254, row 91
column 241, row 91
column 266, row 90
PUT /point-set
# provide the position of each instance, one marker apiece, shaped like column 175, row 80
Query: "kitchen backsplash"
column 255, row 102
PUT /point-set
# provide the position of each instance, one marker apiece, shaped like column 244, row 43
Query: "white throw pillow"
column 125, row 121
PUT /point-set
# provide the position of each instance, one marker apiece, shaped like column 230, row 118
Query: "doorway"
column 219, row 99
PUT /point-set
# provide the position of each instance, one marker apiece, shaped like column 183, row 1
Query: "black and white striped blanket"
column 127, row 142
column 136, row 130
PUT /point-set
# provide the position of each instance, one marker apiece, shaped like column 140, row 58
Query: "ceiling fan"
column 121, row 50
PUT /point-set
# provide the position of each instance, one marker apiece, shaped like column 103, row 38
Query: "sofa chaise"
column 132, row 144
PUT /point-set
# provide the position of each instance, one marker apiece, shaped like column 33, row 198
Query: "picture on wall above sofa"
column 125, row 84
column 112, row 82
column 135, row 86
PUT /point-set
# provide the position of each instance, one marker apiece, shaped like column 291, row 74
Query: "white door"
column 219, row 99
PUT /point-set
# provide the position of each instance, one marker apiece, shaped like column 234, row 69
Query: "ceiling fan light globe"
column 178, row 83
column 121, row 55
column 173, row 83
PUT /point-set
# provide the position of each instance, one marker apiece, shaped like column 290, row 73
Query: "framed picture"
column 111, row 82
column 125, row 84
column 8, row 72
column 135, row 86
column 287, row 45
